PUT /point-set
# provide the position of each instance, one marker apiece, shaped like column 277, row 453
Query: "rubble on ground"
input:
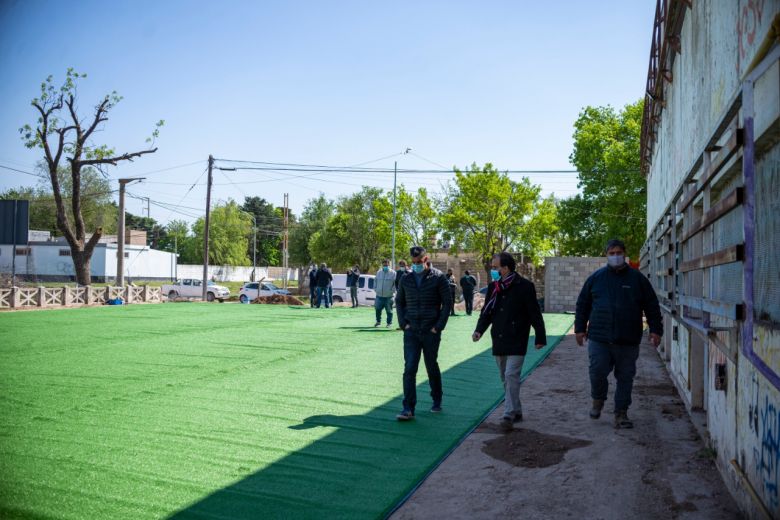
column 278, row 299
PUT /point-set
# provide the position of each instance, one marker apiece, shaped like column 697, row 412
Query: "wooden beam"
column 732, row 311
column 735, row 253
column 725, row 205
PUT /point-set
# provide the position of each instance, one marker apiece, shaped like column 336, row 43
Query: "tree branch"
column 114, row 160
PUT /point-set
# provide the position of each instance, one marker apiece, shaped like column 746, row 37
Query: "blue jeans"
column 322, row 296
column 386, row 303
column 425, row 343
column 604, row 358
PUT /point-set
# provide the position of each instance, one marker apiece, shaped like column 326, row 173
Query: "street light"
column 395, row 178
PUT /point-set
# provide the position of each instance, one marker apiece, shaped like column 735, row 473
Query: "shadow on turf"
column 368, row 464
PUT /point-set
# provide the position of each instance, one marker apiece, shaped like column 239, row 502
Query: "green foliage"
column 270, row 227
column 485, row 212
column 229, row 228
column 417, row 221
column 358, row 233
column 614, row 196
column 313, row 220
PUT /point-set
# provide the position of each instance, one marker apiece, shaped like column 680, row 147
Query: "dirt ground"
column 559, row 463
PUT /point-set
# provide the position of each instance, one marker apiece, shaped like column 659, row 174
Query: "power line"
column 22, row 171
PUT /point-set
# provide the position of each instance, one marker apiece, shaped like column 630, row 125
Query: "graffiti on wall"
column 748, row 23
column 765, row 424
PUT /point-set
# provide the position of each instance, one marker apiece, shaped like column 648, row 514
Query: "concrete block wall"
column 563, row 280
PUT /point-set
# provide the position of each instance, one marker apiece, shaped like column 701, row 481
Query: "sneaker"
column 377, row 324
column 622, row 420
column 389, row 325
column 405, row 415
column 595, row 411
column 518, row 417
column 506, row 424
column 436, row 408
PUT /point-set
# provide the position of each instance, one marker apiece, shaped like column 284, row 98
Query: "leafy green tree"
column 62, row 134
column 486, row 212
column 270, row 227
column 358, row 233
column 614, row 193
column 538, row 233
column 178, row 239
column 417, row 220
column 313, row 220
column 97, row 207
column 229, row 230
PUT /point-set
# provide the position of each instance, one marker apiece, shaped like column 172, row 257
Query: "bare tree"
column 60, row 132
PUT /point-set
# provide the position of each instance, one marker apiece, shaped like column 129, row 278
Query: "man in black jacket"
column 468, row 283
column 609, row 315
column 323, row 282
column 423, row 303
column 511, row 308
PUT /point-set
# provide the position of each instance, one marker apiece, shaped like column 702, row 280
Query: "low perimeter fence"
column 29, row 297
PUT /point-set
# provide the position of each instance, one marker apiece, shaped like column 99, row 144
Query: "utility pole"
column 395, row 179
column 395, row 183
column 206, row 230
column 120, row 239
column 286, row 235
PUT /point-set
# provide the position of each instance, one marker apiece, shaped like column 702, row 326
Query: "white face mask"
column 615, row 260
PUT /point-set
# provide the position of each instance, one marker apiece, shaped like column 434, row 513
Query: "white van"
column 366, row 292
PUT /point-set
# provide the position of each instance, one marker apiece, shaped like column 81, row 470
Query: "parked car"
column 366, row 292
column 249, row 291
column 193, row 288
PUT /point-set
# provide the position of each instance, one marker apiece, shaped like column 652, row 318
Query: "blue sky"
column 332, row 83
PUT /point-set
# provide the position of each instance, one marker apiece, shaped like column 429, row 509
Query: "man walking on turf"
column 384, row 285
column 609, row 314
column 313, row 285
column 511, row 308
column 423, row 304
column 468, row 283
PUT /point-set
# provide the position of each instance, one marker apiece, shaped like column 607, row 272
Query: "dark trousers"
column 469, row 299
column 313, row 294
column 452, row 303
column 353, row 295
column 417, row 343
column 605, row 358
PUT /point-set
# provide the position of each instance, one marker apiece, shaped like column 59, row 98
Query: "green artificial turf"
column 225, row 411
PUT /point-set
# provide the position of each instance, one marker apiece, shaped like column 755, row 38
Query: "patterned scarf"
column 498, row 286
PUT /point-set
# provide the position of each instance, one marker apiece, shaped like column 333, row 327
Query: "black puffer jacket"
column 611, row 303
column 516, row 309
column 425, row 306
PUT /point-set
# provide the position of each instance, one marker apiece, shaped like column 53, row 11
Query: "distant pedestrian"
column 323, row 282
column 423, row 303
column 453, row 290
column 312, row 285
column 353, row 275
column 510, row 309
column 467, row 284
column 384, row 285
column 402, row 270
column 609, row 315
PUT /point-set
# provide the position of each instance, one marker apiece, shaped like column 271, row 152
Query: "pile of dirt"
column 278, row 299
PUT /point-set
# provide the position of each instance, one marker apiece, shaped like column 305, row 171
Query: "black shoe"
column 622, row 420
column 405, row 415
column 506, row 424
column 436, row 408
column 518, row 417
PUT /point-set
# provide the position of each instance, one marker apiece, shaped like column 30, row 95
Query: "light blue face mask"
column 385, row 268
column 495, row 275
column 418, row 268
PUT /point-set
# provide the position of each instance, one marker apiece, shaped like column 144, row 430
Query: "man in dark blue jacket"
column 609, row 315
column 423, row 304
